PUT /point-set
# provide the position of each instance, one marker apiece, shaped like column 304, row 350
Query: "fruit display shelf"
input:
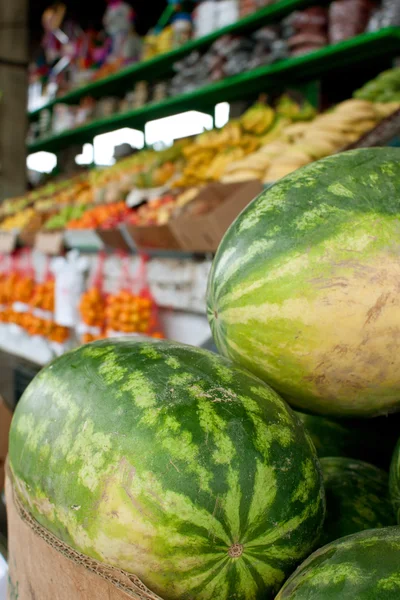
column 163, row 64
column 385, row 42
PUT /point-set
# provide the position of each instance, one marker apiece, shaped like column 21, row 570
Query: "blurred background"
column 132, row 133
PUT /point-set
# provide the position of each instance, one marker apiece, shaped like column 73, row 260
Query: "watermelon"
column 169, row 462
column 357, row 497
column 371, row 440
column 394, row 481
column 363, row 566
column 304, row 286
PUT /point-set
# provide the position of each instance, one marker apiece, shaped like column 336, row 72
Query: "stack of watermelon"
column 187, row 469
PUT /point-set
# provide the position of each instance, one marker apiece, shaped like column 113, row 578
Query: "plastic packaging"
column 182, row 27
column 205, row 18
column 227, row 12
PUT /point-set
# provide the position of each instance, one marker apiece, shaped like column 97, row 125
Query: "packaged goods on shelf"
column 348, row 18
column 307, row 30
column 302, row 32
column 248, row 7
column 153, row 199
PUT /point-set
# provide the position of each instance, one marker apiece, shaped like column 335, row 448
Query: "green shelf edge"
column 346, row 53
column 159, row 64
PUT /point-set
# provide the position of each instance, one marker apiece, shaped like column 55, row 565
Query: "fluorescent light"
column 222, row 111
column 105, row 143
column 42, row 162
column 86, row 158
column 185, row 124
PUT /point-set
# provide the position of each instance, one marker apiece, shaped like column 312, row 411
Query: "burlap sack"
column 43, row 568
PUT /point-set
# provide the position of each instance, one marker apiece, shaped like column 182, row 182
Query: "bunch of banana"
column 282, row 164
column 385, row 109
column 276, row 131
column 258, row 119
column 218, row 166
column 251, row 167
column 216, row 139
column 326, row 134
column 288, row 108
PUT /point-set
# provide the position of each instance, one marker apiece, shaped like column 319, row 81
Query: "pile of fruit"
column 92, row 307
column 67, row 214
column 197, row 476
column 266, row 143
column 384, row 89
column 105, row 216
column 17, row 221
column 292, row 145
column 30, row 305
column 129, row 313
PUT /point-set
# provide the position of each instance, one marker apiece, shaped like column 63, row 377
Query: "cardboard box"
column 49, row 242
column 113, row 238
column 200, row 233
column 153, row 236
column 204, row 233
column 5, row 422
column 8, row 241
column 41, row 567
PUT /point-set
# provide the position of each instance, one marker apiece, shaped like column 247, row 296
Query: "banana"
column 278, row 171
column 294, row 157
column 317, row 149
column 337, row 140
column 257, row 119
column 275, row 148
column 244, row 175
column 276, row 131
column 354, row 104
column 385, row 109
column 363, row 126
column 356, row 114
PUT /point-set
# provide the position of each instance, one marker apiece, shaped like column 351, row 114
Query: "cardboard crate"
column 200, row 233
column 160, row 237
column 42, row 567
column 113, row 238
column 204, row 233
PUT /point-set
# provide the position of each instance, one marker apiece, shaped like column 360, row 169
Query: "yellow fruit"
column 258, row 119
column 385, row 109
column 363, row 126
column 245, row 175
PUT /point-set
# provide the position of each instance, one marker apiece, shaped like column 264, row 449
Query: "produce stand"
column 146, row 465
column 310, row 66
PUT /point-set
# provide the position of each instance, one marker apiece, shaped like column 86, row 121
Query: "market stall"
column 200, row 341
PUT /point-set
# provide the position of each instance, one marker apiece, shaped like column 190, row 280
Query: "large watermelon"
column 304, row 289
column 357, row 498
column 363, row 566
column 395, row 481
column 169, row 462
column 371, row 440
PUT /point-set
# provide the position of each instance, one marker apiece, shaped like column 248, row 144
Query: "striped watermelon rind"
column 357, row 498
column 303, row 288
column 169, row 462
column 370, row 440
column 363, row 566
column 394, row 481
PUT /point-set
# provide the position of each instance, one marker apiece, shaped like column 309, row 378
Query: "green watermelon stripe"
column 362, row 566
column 394, row 482
column 307, row 254
column 171, row 463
